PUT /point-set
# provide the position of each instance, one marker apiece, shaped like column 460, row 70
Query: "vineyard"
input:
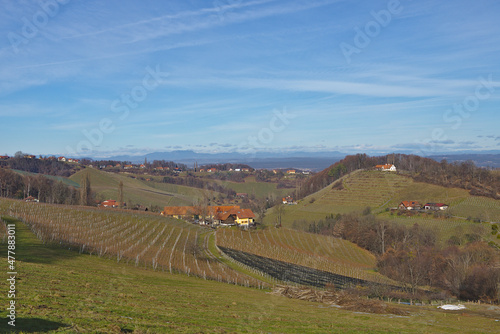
column 139, row 239
column 289, row 272
column 376, row 187
column 315, row 251
column 486, row 209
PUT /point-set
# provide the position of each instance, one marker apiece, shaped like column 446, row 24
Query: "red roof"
column 193, row 210
column 386, row 166
column 240, row 213
column 410, row 203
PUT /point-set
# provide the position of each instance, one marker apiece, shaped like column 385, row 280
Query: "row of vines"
column 315, row 251
column 136, row 238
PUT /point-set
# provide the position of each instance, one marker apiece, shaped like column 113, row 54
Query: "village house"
column 222, row 214
column 110, row 203
column 288, row 200
column 386, row 168
column 290, row 171
column 236, row 216
column 212, row 170
column 409, row 205
column 435, row 206
column 31, row 199
column 4, row 157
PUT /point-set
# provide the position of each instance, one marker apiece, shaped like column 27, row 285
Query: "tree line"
column 39, row 166
column 14, row 185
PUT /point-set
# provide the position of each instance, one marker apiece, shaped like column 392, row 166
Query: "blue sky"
column 100, row 78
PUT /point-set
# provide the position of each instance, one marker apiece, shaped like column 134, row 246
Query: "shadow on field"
column 30, row 249
column 30, row 325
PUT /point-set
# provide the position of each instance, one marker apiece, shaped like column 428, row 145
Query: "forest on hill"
column 44, row 189
column 465, row 175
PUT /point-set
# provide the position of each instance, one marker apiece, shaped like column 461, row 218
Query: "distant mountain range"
column 302, row 160
column 314, row 161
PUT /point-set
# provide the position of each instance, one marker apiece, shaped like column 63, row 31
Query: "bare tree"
column 120, row 194
column 279, row 209
column 85, row 190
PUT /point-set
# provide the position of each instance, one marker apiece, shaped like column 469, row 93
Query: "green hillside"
column 384, row 190
column 64, row 180
column 136, row 191
column 258, row 189
column 62, row 291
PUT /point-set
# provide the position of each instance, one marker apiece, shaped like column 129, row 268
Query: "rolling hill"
column 137, row 191
column 383, row 190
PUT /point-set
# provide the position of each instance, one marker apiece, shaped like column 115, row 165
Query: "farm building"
column 435, row 206
column 223, row 214
column 31, row 199
column 409, row 205
column 110, row 203
column 386, row 168
column 242, row 217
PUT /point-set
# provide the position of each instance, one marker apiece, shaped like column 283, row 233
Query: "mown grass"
column 72, row 293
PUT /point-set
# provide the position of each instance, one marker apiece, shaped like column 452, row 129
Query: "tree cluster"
column 40, row 166
column 466, row 267
column 13, row 185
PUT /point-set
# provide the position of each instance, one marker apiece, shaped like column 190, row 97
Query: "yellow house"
column 237, row 216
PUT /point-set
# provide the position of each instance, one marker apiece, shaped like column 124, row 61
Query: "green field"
column 258, row 189
column 136, row 191
column 62, row 291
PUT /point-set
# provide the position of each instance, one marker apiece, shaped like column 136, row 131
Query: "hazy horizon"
column 127, row 78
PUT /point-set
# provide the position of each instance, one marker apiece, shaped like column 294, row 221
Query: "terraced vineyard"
column 315, row 251
column 377, row 188
column 142, row 239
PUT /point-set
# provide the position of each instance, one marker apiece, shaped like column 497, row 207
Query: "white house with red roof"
column 386, row 168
